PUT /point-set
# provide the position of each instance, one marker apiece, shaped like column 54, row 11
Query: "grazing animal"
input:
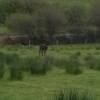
column 43, row 49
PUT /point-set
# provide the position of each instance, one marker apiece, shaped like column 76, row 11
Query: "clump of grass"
column 96, row 64
column 49, row 61
column 2, row 62
column 97, row 48
column 72, row 94
column 77, row 54
column 15, row 68
column 73, row 64
column 10, row 57
column 2, row 70
column 92, row 62
column 13, row 61
column 89, row 60
column 38, row 65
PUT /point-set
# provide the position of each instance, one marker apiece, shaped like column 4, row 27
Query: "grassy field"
column 41, row 87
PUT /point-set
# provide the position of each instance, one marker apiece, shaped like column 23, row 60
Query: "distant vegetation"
column 46, row 18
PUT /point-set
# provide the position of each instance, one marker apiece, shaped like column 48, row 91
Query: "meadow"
column 24, row 75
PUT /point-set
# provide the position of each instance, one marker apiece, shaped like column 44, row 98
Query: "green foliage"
column 37, row 65
column 94, row 13
column 21, row 23
column 43, row 23
column 92, row 62
column 8, row 7
column 15, row 68
column 75, row 14
column 14, row 63
column 51, row 17
column 15, row 72
column 73, row 64
column 2, row 69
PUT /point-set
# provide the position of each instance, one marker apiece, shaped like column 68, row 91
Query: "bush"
column 2, row 62
column 20, row 23
column 37, row 65
column 15, row 68
column 92, row 62
column 73, row 64
column 2, row 57
column 10, row 57
column 2, row 69
column 15, row 72
column 72, row 94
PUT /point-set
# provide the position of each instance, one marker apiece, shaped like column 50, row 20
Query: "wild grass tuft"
column 93, row 62
column 2, row 69
column 2, row 64
column 73, row 64
column 72, row 94
column 15, row 68
column 37, row 65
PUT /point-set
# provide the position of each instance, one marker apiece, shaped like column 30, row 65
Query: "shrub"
column 20, row 23
column 15, row 68
column 73, row 64
column 72, row 94
column 2, row 56
column 92, row 62
column 37, row 65
column 2, row 70
column 2, row 59
column 97, row 48
column 9, row 58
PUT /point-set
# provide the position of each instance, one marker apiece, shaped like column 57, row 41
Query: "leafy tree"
column 95, row 13
column 75, row 15
column 95, row 18
column 50, row 21
column 21, row 24
column 8, row 7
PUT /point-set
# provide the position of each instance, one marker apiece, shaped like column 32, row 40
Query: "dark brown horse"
column 43, row 49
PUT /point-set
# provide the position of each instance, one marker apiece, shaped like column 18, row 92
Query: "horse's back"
column 44, row 46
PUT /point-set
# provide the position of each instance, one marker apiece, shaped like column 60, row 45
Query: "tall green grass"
column 37, row 65
column 2, row 65
column 2, row 69
column 13, row 62
column 72, row 94
column 92, row 61
column 15, row 69
column 41, row 65
column 73, row 65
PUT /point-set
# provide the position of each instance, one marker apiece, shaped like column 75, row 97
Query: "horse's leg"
column 42, row 52
column 39, row 52
column 45, row 51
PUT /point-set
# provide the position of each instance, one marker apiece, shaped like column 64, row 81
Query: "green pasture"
column 42, row 87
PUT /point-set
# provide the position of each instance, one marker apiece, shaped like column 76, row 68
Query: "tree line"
column 44, row 19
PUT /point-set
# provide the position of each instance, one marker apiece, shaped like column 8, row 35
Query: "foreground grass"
column 41, row 87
